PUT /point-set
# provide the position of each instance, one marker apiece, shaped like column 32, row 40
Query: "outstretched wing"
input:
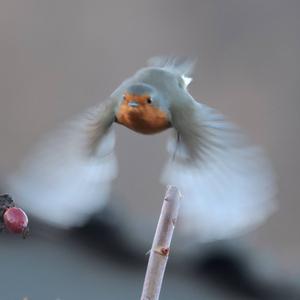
column 227, row 183
column 68, row 175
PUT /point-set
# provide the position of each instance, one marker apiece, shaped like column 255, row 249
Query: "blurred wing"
column 68, row 175
column 227, row 183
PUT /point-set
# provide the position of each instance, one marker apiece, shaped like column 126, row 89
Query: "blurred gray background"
column 59, row 57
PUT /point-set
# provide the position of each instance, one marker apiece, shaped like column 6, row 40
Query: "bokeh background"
column 59, row 57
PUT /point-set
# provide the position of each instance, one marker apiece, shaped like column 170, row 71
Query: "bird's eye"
column 149, row 100
column 124, row 97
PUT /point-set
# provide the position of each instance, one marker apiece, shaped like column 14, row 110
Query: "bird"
column 227, row 182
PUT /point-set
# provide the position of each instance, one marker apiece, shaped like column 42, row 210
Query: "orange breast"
column 145, row 118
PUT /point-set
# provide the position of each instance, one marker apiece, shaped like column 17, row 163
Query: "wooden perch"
column 161, row 245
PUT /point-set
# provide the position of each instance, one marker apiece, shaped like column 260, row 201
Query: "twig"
column 161, row 245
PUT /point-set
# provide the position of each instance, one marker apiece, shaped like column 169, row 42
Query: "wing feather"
column 227, row 183
column 68, row 175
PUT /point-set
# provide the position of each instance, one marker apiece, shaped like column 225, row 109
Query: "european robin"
column 226, row 182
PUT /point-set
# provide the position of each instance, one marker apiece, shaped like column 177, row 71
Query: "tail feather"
column 182, row 66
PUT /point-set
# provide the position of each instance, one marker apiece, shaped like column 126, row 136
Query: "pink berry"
column 15, row 220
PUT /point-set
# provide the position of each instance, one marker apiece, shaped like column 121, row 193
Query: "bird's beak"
column 133, row 104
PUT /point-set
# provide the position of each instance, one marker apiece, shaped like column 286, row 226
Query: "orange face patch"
column 143, row 117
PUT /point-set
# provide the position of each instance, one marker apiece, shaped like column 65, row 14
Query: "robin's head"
column 140, row 95
column 142, row 109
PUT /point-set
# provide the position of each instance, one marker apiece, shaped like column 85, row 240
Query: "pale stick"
column 161, row 245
